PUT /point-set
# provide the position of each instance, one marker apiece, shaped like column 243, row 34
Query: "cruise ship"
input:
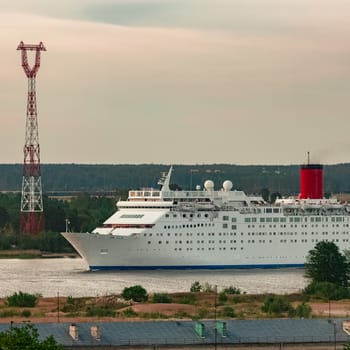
column 210, row 228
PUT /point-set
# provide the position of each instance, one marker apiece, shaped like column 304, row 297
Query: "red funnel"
column 311, row 181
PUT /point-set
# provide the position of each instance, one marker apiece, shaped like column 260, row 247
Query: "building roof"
column 184, row 332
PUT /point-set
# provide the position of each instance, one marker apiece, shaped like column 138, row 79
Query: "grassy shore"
column 192, row 306
column 32, row 254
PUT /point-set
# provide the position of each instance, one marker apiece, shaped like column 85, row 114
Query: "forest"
column 250, row 178
column 83, row 212
column 89, row 184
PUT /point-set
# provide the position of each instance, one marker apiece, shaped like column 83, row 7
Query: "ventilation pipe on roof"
column 73, row 331
column 95, row 332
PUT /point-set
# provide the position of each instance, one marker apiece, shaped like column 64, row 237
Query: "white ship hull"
column 208, row 247
column 231, row 231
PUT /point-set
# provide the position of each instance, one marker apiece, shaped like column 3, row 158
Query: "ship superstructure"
column 215, row 229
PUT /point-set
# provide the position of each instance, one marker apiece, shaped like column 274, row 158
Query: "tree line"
column 250, row 178
column 83, row 212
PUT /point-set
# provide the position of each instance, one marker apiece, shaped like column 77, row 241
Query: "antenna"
column 31, row 200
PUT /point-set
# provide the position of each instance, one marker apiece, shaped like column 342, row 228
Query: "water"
column 70, row 277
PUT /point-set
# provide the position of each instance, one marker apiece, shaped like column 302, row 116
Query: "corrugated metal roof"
column 183, row 332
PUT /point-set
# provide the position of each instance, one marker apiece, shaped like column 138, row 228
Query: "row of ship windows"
column 105, row 251
column 297, row 219
column 201, row 249
column 290, row 233
column 273, row 219
column 234, row 227
column 188, row 226
column 188, row 215
column 192, row 234
column 294, row 233
column 225, row 217
column 250, row 241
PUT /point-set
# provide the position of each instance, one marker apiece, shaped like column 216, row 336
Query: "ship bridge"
column 226, row 196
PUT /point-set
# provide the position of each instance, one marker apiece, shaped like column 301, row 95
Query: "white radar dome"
column 227, row 185
column 198, row 187
column 209, row 185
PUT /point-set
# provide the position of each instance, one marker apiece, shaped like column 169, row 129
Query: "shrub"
column 228, row 311
column 232, row 290
column 209, row 288
column 303, row 310
column 136, row 293
column 196, row 287
column 275, row 305
column 188, row 299
column 326, row 290
column 73, row 305
column 236, row 300
column 70, row 300
column 22, row 300
column 222, row 297
column 161, row 298
column 8, row 313
column 129, row 312
column 291, row 312
column 96, row 311
column 26, row 313
column 203, row 313
column 26, row 337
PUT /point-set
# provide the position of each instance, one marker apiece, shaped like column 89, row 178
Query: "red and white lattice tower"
column 32, row 219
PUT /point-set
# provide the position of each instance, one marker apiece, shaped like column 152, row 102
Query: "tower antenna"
column 32, row 218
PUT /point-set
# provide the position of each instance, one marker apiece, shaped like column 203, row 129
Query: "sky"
column 179, row 81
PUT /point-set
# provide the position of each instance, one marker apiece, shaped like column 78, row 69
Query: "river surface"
column 49, row 277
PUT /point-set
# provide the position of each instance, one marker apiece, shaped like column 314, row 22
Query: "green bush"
column 203, row 313
column 303, row 310
column 96, row 311
column 236, row 300
column 228, row 311
column 8, row 313
column 222, row 297
column 22, row 300
column 188, row 299
column 26, row 337
column 276, row 305
column 232, row 290
column 26, row 313
column 161, row 298
column 73, row 305
column 292, row 312
column 326, row 290
column 129, row 312
column 196, row 287
column 70, row 300
column 136, row 293
column 70, row 305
